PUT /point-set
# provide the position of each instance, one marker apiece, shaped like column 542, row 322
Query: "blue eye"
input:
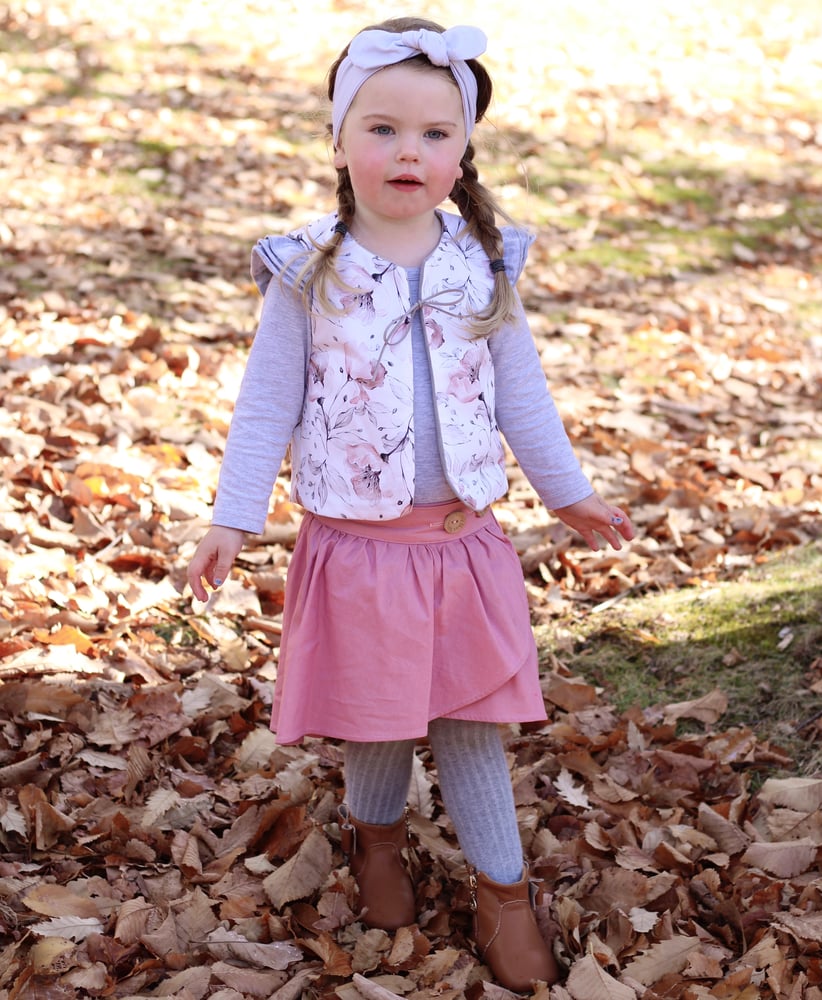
column 382, row 130
column 436, row 133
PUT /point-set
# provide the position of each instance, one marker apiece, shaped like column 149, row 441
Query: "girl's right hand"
column 593, row 516
column 214, row 558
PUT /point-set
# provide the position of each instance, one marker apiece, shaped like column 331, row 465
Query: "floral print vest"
column 353, row 451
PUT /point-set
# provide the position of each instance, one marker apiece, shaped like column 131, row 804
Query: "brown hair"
column 476, row 204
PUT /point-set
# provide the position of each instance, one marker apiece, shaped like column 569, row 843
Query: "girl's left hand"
column 593, row 516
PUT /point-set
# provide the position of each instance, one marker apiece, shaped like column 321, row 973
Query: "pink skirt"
column 388, row 625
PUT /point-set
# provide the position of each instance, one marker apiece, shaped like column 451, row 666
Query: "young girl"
column 392, row 349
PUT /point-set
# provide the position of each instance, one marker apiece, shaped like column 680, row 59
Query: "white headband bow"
column 374, row 49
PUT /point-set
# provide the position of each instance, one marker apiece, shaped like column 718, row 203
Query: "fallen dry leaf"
column 301, row 874
column 786, row 860
column 371, row 990
column 708, row 709
column 661, row 959
column 587, row 980
column 225, row 944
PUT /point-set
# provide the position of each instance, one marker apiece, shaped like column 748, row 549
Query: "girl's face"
column 402, row 141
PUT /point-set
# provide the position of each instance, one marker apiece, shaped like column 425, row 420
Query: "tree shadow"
column 767, row 662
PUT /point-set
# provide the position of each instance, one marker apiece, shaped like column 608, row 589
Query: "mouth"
column 406, row 182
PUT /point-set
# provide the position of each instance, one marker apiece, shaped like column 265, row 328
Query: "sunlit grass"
column 755, row 639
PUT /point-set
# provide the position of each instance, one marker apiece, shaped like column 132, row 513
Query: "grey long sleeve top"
column 270, row 403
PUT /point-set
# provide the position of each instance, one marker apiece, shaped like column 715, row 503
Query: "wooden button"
column 454, row 522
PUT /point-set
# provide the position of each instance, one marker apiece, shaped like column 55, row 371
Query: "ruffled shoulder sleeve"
column 285, row 255
column 280, row 255
column 515, row 243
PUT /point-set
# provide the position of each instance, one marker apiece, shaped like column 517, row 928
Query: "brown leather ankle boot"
column 506, row 933
column 376, row 861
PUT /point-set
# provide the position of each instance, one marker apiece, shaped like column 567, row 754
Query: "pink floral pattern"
column 353, row 453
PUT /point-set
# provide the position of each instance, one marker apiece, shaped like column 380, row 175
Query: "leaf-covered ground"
column 155, row 842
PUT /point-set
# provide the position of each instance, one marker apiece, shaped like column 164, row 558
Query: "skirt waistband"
column 441, row 522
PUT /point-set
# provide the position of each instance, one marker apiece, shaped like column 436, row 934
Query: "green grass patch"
column 605, row 254
column 756, row 639
column 660, row 214
column 156, row 147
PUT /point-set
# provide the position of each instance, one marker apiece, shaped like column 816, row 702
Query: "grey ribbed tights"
column 474, row 783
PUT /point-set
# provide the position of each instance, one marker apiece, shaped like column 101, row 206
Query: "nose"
column 408, row 148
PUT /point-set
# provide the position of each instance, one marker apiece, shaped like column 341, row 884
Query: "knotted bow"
column 374, row 49
column 445, row 301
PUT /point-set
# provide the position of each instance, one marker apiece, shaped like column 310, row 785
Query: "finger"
column 222, row 569
column 621, row 523
column 196, row 572
column 626, row 529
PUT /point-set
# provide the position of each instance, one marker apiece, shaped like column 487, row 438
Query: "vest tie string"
column 397, row 329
